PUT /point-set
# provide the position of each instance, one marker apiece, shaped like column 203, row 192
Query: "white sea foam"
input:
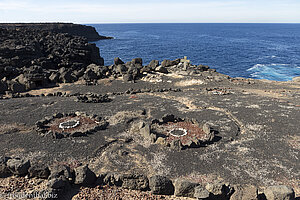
column 274, row 71
column 265, row 57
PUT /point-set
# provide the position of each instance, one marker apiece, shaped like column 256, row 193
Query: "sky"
column 151, row 11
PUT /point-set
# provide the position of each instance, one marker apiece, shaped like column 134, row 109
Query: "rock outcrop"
column 88, row 32
column 32, row 58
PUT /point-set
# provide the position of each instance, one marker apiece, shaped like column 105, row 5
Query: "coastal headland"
column 88, row 32
column 73, row 128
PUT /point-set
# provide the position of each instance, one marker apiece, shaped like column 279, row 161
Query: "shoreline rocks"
column 32, row 58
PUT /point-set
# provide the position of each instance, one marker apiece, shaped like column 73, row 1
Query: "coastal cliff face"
column 88, row 32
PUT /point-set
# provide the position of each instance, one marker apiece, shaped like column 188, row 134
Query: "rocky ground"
column 255, row 126
column 167, row 130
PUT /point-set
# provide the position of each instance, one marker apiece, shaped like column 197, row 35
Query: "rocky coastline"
column 85, row 31
column 73, row 128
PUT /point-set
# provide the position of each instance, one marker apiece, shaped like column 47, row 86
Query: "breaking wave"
column 277, row 72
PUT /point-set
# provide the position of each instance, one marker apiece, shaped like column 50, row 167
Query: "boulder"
column 161, row 185
column 17, row 87
column 58, row 183
column 219, row 190
column 161, row 69
column 39, row 171
column 4, row 171
column 132, row 69
column 54, row 77
column 118, row 61
column 166, row 63
column 201, row 193
column 18, row 166
column 60, row 170
column 128, row 77
column 279, row 192
column 202, row 68
column 184, row 188
column 161, row 141
column 145, row 131
column 84, row 176
column 153, row 64
column 113, row 179
column 3, row 87
column 89, row 74
column 146, row 69
column 121, row 69
column 244, row 192
column 137, row 61
column 67, row 77
column 175, row 62
column 135, row 182
column 79, row 73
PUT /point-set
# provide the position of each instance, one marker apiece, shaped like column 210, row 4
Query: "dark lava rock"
column 58, row 183
column 279, row 192
column 135, row 182
column 36, row 53
column 67, row 77
column 169, row 118
column 54, row 77
column 88, row 32
column 202, row 68
column 146, row 69
column 184, row 188
column 121, row 69
column 60, row 170
column 93, row 98
column 84, row 176
column 113, row 179
column 18, row 166
column 219, row 190
column 4, row 171
column 33, row 77
column 39, row 171
column 118, row 61
column 17, row 87
column 153, row 64
column 161, row 69
column 166, row 63
column 137, row 61
column 76, row 134
column 201, row 193
column 89, row 75
column 3, row 87
column 244, row 192
column 161, row 185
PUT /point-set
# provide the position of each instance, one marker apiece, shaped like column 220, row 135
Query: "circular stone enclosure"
column 70, row 125
column 181, row 133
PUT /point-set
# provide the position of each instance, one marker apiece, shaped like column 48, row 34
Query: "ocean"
column 261, row 51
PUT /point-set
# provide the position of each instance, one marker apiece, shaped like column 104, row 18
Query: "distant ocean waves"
column 279, row 72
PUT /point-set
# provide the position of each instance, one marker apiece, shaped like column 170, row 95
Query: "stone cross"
column 185, row 60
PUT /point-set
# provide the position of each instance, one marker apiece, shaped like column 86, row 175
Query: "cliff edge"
column 88, row 32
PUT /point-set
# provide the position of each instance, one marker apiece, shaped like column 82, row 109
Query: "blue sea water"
column 262, row 51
